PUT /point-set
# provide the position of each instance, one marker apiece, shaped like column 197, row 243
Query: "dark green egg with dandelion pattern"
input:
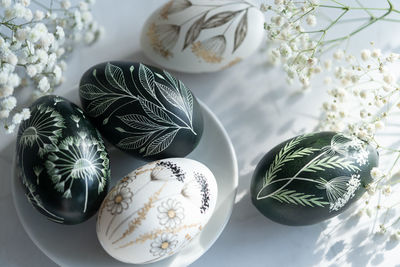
column 61, row 161
column 142, row 110
column 312, row 177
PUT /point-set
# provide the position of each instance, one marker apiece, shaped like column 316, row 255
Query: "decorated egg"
column 61, row 161
column 312, row 177
column 202, row 36
column 156, row 210
column 142, row 110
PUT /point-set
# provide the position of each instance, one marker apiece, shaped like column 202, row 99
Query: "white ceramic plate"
column 77, row 245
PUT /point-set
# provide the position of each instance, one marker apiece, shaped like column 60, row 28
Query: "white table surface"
column 259, row 110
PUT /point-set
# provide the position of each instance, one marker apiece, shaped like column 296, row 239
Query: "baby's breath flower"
column 44, row 85
column 311, row 20
column 376, row 53
column 365, row 54
column 376, row 173
column 338, row 55
column 33, row 48
column 379, row 125
column 65, row 4
column 388, row 78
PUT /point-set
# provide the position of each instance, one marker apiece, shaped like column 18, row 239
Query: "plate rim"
column 233, row 156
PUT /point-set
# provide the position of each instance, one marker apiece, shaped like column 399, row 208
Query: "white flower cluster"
column 352, row 185
column 34, row 41
column 363, row 98
column 298, row 41
column 295, row 49
column 359, row 91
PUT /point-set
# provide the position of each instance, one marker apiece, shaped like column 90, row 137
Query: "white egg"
column 202, row 36
column 156, row 210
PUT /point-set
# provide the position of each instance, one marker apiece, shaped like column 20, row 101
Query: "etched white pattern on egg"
column 156, row 210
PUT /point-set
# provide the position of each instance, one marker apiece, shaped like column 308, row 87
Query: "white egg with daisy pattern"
column 156, row 210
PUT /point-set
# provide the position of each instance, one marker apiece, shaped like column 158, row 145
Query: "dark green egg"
column 312, row 177
column 61, row 161
column 142, row 110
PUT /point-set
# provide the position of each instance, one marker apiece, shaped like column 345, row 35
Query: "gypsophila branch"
column 35, row 42
column 299, row 47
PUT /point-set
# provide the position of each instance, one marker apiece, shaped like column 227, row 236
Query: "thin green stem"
column 366, row 10
column 388, row 11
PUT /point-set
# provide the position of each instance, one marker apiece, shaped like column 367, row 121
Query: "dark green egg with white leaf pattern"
column 61, row 161
column 312, row 177
column 142, row 110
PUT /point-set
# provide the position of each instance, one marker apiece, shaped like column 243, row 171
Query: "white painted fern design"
column 339, row 190
column 297, row 198
column 334, row 162
column 155, row 130
column 287, row 154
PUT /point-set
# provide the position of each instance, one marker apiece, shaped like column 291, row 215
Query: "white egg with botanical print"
column 202, row 35
column 156, row 210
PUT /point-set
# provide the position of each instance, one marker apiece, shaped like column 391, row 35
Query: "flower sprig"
column 35, row 39
column 364, row 97
column 298, row 41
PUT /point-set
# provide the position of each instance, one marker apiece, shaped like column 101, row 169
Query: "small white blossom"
column 39, row 15
column 65, row 4
column 338, row 55
column 10, row 128
column 285, row 50
column 376, row 173
column 379, row 125
column 12, row 59
column 31, row 70
column 83, row 6
column 9, row 103
column 25, row 113
column 89, row 37
column 388, row 78
column 376, row 53
column 365, row 54
column 6, row 91
column 5, row 3
column 17, row 118
column 60, row 32
column 44, row 85
column 311, row 20
column 28, row 16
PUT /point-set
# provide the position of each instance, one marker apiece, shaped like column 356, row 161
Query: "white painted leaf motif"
column 161, row 143
column 139, row 122
column 159, row 75
column 133, row 142
column 171, row 79
column 99, row 106
column 146, row 79
column 155, row 112
column 115, row 77
column 90, row 91
column 171, row 96
column 188, row 100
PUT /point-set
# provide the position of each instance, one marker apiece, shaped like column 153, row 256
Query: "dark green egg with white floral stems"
column 61, row 161
column 142, row 110
column 312, row 177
